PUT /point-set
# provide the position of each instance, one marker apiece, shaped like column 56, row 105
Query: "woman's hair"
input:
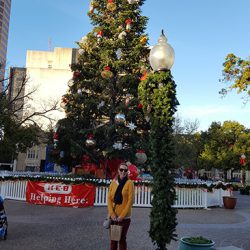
column 125, row 164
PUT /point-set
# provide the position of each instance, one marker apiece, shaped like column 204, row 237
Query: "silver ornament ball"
column 90, row 143
column 120, row 119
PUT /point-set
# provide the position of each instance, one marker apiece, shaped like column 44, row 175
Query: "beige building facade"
column 33, row 160
column 48, row 74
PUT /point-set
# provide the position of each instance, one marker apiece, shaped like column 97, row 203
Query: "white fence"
column 186, row 197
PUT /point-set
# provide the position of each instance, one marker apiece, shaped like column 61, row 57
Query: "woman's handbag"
column 107, row 223
column 115, row 232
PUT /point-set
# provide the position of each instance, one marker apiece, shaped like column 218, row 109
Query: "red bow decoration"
column 107, row 68
column 128, row 21
column 100, row 33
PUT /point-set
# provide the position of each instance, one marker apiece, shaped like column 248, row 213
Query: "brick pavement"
column 47, row 227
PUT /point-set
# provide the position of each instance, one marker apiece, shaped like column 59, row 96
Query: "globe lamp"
column 161, row 56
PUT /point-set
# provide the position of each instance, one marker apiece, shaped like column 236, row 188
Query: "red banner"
column 59, row 194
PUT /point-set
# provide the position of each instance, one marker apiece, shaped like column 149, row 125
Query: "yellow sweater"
column 128, row 192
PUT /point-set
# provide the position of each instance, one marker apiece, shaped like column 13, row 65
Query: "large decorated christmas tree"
column 105, row 123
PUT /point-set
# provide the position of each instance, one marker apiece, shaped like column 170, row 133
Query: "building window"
column 32, row 154
column 50, row 64
column 30, row 168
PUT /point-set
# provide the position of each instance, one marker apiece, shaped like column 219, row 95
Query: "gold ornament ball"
column 106, row 74
column 143, row 40
column 111, row 6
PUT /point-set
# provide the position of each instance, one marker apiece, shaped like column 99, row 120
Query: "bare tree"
column 18, row 103
column 19, row 121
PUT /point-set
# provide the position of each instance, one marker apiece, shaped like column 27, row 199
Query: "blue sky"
column 202, row 33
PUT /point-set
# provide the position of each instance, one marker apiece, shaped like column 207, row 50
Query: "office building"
column 5, row 6
column 16, row 89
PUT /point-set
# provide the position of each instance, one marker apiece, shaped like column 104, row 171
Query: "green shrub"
column 197, row 240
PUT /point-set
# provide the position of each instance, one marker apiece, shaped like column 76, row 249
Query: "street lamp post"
column 158, row 94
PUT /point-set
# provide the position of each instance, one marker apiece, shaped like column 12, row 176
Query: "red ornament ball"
column 132, row 172
column 76, row 74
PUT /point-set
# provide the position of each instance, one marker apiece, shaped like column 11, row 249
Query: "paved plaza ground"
column 37, row 227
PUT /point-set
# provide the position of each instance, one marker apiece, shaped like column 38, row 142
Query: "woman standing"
column 120, row 201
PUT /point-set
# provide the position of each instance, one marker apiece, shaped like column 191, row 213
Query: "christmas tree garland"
column 74, row 179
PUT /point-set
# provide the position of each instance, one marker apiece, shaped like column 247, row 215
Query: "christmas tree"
column 104, row 121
